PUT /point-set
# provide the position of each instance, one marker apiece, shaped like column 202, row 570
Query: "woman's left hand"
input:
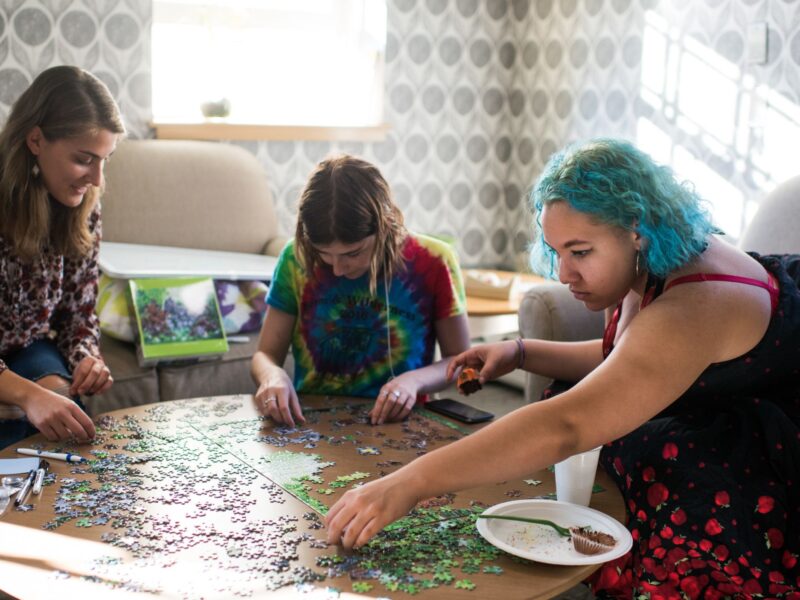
column 91, row 377
column 395, row 400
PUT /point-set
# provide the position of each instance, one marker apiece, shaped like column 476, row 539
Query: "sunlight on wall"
column 707, row 111
column 775, row 154
column 707, row 95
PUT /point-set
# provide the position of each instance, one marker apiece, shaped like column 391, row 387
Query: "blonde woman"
column 53, row 147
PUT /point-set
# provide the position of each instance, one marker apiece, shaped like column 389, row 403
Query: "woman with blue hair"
column 692, row 391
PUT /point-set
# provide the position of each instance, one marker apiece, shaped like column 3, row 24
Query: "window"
column 713, row 123
column 278, row 62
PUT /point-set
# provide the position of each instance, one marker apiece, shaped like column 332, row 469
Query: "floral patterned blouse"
column 53, row 296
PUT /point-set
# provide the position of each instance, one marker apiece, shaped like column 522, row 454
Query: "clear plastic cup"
column 575, row 477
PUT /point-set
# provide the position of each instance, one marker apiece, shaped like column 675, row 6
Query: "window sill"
column 240, row 131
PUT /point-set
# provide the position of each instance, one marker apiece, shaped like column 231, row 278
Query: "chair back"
column 775, row 228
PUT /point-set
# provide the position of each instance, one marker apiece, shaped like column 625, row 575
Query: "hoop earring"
column 636, row 270
column 35, row 170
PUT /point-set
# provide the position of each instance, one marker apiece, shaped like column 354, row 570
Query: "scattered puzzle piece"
column 202, row 483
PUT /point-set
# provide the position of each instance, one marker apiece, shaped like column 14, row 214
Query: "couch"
column 550, row 311
column 188, row 194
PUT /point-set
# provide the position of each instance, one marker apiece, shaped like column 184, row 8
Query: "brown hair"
column 64, row 102
column 346, row 200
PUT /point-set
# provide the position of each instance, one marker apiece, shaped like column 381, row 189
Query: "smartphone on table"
column 459, row 411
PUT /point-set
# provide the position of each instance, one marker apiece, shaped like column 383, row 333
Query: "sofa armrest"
column 550, row 312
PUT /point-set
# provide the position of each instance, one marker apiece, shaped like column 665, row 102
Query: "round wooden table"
column 204, row 497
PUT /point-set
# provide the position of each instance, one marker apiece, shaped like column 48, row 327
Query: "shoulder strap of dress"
column 611, row 331
column 771, row 286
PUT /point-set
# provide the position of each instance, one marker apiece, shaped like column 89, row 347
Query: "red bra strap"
column 611, row 331
column 771, row 286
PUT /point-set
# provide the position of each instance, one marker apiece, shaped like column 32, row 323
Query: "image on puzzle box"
column 177, row 318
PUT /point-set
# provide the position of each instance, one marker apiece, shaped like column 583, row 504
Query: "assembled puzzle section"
column 343, row 435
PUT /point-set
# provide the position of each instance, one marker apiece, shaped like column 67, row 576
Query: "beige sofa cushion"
column 227, row 375
column 133, row 385
column 188, row 194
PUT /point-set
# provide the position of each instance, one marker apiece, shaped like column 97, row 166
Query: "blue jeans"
column 39, row 359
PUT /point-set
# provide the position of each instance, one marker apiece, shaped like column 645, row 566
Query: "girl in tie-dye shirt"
column 361, row 301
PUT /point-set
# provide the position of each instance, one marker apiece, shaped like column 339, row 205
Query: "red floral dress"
column 712, row 484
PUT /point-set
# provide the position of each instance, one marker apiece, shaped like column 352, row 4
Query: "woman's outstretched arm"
column 662, row 352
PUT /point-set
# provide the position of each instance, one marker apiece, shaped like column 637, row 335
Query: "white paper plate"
column 540, row 542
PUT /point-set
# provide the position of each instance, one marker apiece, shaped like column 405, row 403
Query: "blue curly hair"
column 619, row 185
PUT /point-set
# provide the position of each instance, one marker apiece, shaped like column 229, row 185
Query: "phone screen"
column 459, row 410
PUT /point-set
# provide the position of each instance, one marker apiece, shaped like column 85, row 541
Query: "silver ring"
column 396, row 394
column 270, row 399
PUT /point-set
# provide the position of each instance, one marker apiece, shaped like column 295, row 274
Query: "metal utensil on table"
column 584, row 540
column 12, row 481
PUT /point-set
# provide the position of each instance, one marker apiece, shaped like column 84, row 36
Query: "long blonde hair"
column 64, row 102
column 346, row 200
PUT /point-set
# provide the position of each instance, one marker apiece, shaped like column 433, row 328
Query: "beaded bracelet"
column 521, row 347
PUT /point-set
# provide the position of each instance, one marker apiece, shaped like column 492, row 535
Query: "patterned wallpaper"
column 110, row 39
column 479, row 93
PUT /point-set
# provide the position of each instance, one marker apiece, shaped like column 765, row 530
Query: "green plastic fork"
column 562, row 531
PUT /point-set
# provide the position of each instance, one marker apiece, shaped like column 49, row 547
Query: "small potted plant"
column 216, row 109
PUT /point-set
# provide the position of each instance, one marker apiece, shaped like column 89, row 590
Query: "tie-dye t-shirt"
column 339, row 340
